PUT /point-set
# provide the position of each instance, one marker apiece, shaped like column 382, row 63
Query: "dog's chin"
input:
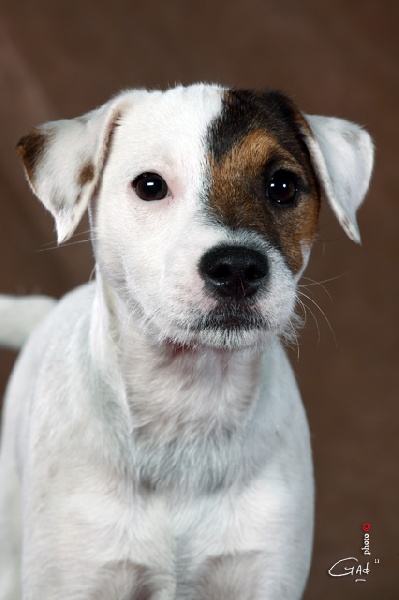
column 224, row 331
column 232, row 338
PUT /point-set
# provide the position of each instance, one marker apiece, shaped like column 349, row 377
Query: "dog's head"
column 204, row 202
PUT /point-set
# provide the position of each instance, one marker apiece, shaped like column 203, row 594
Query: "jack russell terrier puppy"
column 154, row 443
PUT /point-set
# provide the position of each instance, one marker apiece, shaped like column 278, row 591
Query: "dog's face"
column 204, row 203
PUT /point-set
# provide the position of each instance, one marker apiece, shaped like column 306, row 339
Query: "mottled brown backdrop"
column 62, row 58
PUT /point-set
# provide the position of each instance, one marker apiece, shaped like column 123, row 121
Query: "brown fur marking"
column 237, row 195
column 31, row 149
column 86, row 174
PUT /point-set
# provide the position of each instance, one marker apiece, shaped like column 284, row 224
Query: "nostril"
column 233, row 271
column 253, row 273
column 220, row 272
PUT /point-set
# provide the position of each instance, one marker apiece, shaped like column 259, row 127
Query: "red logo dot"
column 366, row 527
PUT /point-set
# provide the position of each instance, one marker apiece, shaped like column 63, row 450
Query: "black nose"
column 235, row 272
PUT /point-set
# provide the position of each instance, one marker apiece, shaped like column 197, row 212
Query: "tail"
column 19, row 315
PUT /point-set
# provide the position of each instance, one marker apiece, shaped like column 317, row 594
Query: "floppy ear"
column 342, row 155
column 64, row 161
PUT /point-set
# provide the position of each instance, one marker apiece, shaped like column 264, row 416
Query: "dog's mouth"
column 229, row 327
column 232, row 317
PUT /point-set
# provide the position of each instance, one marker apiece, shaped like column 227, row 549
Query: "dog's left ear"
column 64, row 161
column 342, row 155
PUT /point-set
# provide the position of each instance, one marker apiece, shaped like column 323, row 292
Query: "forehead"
column 208, row 113
column 185, row 126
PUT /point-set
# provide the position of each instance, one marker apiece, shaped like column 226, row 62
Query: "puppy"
column 154, row 443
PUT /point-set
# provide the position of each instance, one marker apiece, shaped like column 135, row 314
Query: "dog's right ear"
column 64, row 161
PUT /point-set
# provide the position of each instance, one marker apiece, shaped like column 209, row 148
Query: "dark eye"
column 282, row 188
column 150, row 186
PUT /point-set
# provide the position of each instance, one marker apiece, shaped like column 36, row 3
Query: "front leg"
column 87, row 538
column 250, row 576
column 256, row 545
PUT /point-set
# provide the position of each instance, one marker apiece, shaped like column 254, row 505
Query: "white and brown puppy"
column 154, row 443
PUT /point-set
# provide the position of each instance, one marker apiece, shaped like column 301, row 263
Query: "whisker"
column 58, row 247
column 313, row 282
column 307, row 308
column 75, row 235
column 323, row 314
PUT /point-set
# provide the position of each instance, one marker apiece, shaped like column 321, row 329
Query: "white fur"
column 343, row 155
column 19, row 316
column 117, row 391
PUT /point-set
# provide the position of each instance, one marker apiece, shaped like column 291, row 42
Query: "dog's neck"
column 211, row 383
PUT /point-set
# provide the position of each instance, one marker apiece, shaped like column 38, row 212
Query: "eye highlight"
column 282, row 187
column 150, row 186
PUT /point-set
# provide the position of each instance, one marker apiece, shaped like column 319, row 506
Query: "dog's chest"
column 178, row 538
column 190, row 416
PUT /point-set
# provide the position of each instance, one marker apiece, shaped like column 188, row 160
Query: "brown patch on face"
column 237, row 197
column 86, row 174
column 31, row 149
column 243, row 157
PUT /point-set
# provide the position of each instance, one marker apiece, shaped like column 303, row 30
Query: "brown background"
column 62, row 58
